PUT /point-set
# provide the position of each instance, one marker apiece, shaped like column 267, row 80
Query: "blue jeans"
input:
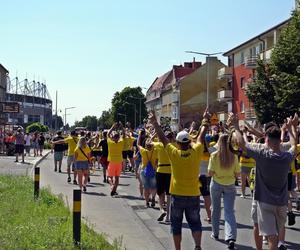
column 228, row 192
column 190, row 206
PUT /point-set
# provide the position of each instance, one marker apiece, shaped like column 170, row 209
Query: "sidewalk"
column 110, row 216
column 9, row 166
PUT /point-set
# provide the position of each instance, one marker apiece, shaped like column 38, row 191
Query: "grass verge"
column 42, row 224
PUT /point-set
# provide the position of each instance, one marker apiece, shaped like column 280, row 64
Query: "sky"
column 88, row 50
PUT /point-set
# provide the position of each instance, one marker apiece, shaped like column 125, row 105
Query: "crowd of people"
column 202, row 160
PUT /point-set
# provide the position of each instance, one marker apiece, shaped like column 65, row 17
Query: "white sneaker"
column 243, row 196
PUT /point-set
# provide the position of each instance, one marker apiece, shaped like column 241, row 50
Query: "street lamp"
column 207, row 77
column 140, row 99
column 124, row 116
column 66, row 114
column 134, row 112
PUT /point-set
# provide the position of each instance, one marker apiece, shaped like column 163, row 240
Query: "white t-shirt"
column 27, row 139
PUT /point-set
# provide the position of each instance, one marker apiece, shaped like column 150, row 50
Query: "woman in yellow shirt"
column 224, row 168
column 82, row 162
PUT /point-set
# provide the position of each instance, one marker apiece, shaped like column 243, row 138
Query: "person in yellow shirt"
column 163, row 177
column 184, row 187
column 82, row 162
column 224, row 168
column 115, row 144
column 127, row 152
column 72, row 141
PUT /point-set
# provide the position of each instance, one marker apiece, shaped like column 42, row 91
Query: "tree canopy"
column 276, row 90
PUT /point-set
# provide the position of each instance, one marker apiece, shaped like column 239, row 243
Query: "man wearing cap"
column 184, row 188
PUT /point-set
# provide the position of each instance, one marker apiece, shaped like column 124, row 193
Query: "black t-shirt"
column 104, row 146
column 59, row 147
column 41, row 140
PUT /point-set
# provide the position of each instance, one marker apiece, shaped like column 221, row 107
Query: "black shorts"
column 291, row 182
column 205, row 182
column 127, row 154
column 163, row 183
column 19, row 149
column 96, row 153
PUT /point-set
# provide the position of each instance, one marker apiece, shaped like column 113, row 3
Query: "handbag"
column 149, row 170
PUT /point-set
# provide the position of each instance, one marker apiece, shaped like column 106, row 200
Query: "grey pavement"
column 126, row 217
column 9, row 166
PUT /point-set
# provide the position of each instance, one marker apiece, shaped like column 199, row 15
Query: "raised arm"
column 158, row 130
column 291, row 129
column 253, row 131
column 204, row 126
column 111, row 130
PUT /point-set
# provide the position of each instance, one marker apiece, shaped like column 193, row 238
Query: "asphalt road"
column 126, row 219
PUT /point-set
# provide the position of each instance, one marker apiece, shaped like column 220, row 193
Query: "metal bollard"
column 76, row 216
column 36, row 182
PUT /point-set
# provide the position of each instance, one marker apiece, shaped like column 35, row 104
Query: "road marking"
column 144, row 215
column 159, row 232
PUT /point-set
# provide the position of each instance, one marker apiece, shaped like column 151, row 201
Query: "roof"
column 229, row 52
column 1, row 66
column 158, row 82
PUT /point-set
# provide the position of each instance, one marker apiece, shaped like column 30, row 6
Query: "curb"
column 39, row 161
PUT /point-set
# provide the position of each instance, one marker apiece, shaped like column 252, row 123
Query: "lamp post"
column 208, row 55
column 66, row 115
column 124, row 116
column 134, row 112
column 140, row 113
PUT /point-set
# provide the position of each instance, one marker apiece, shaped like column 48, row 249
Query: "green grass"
column 42, row 224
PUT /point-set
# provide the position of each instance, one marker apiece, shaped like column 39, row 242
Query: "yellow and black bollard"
column 76, row 216
column 36, row 182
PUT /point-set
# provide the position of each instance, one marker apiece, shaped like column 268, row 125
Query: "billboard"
column 10, row 107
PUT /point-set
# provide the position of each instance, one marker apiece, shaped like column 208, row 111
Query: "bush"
column 36, row 127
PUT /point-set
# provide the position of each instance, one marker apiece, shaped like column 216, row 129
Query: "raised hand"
column 295, row 120
column 152, row 117
column 206, row 114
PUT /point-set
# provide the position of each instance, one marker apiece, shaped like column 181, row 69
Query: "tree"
column 276, row 90
column 36, row 127
column 126, row 102
column 106, row 120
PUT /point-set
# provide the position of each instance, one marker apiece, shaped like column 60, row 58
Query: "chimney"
column 188, row 65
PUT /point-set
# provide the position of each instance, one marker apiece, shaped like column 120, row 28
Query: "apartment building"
column 3, row 88
column 242, row 63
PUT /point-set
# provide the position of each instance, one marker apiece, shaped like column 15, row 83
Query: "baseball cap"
column 183, row 137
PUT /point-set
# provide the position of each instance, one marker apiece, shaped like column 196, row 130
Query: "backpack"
column 149, row 170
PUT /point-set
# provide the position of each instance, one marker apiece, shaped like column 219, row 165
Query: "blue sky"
column 88, row 50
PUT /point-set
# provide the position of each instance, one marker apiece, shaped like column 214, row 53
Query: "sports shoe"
column 214, row 237
column 282, row 247
column 84, row 188
column 153, row 202
column 231, row 244
column 242, row 196
column 55, row 169
column 69, row 179
column 291, row 218
column 162, row 216
column 74, row 182
column 197, row 248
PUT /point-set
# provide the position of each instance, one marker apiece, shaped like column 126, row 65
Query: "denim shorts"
column 190, row 206
column 148, row 183
column 81, row 165
column 58, row 155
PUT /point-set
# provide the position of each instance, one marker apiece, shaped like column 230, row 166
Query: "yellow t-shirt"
column 163, row 158
column 128, row 143
column 148, row 156
column 72, row 144
column 115, row 150
column 223, row 176
column 80, row 155
column 247, row 162
column 185, row 169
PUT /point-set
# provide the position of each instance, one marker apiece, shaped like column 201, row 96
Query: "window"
column 229, row 84
column 242, row 57
column 242, row 82
column 230, row 64
column 242, row 107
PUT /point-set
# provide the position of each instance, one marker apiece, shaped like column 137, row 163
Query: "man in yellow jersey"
column 127, row 152
column 163, row 177
column 184, row 187
column 115, row 147
column 72, row 141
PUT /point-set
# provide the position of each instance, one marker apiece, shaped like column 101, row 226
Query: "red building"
column 243, row 61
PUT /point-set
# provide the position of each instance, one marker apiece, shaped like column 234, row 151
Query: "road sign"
column 10, row 107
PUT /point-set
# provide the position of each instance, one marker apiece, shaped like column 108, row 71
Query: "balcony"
column 250, row 114
column 266, row 55
column 224, row 95
column 251, row 62
column 225, row 73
